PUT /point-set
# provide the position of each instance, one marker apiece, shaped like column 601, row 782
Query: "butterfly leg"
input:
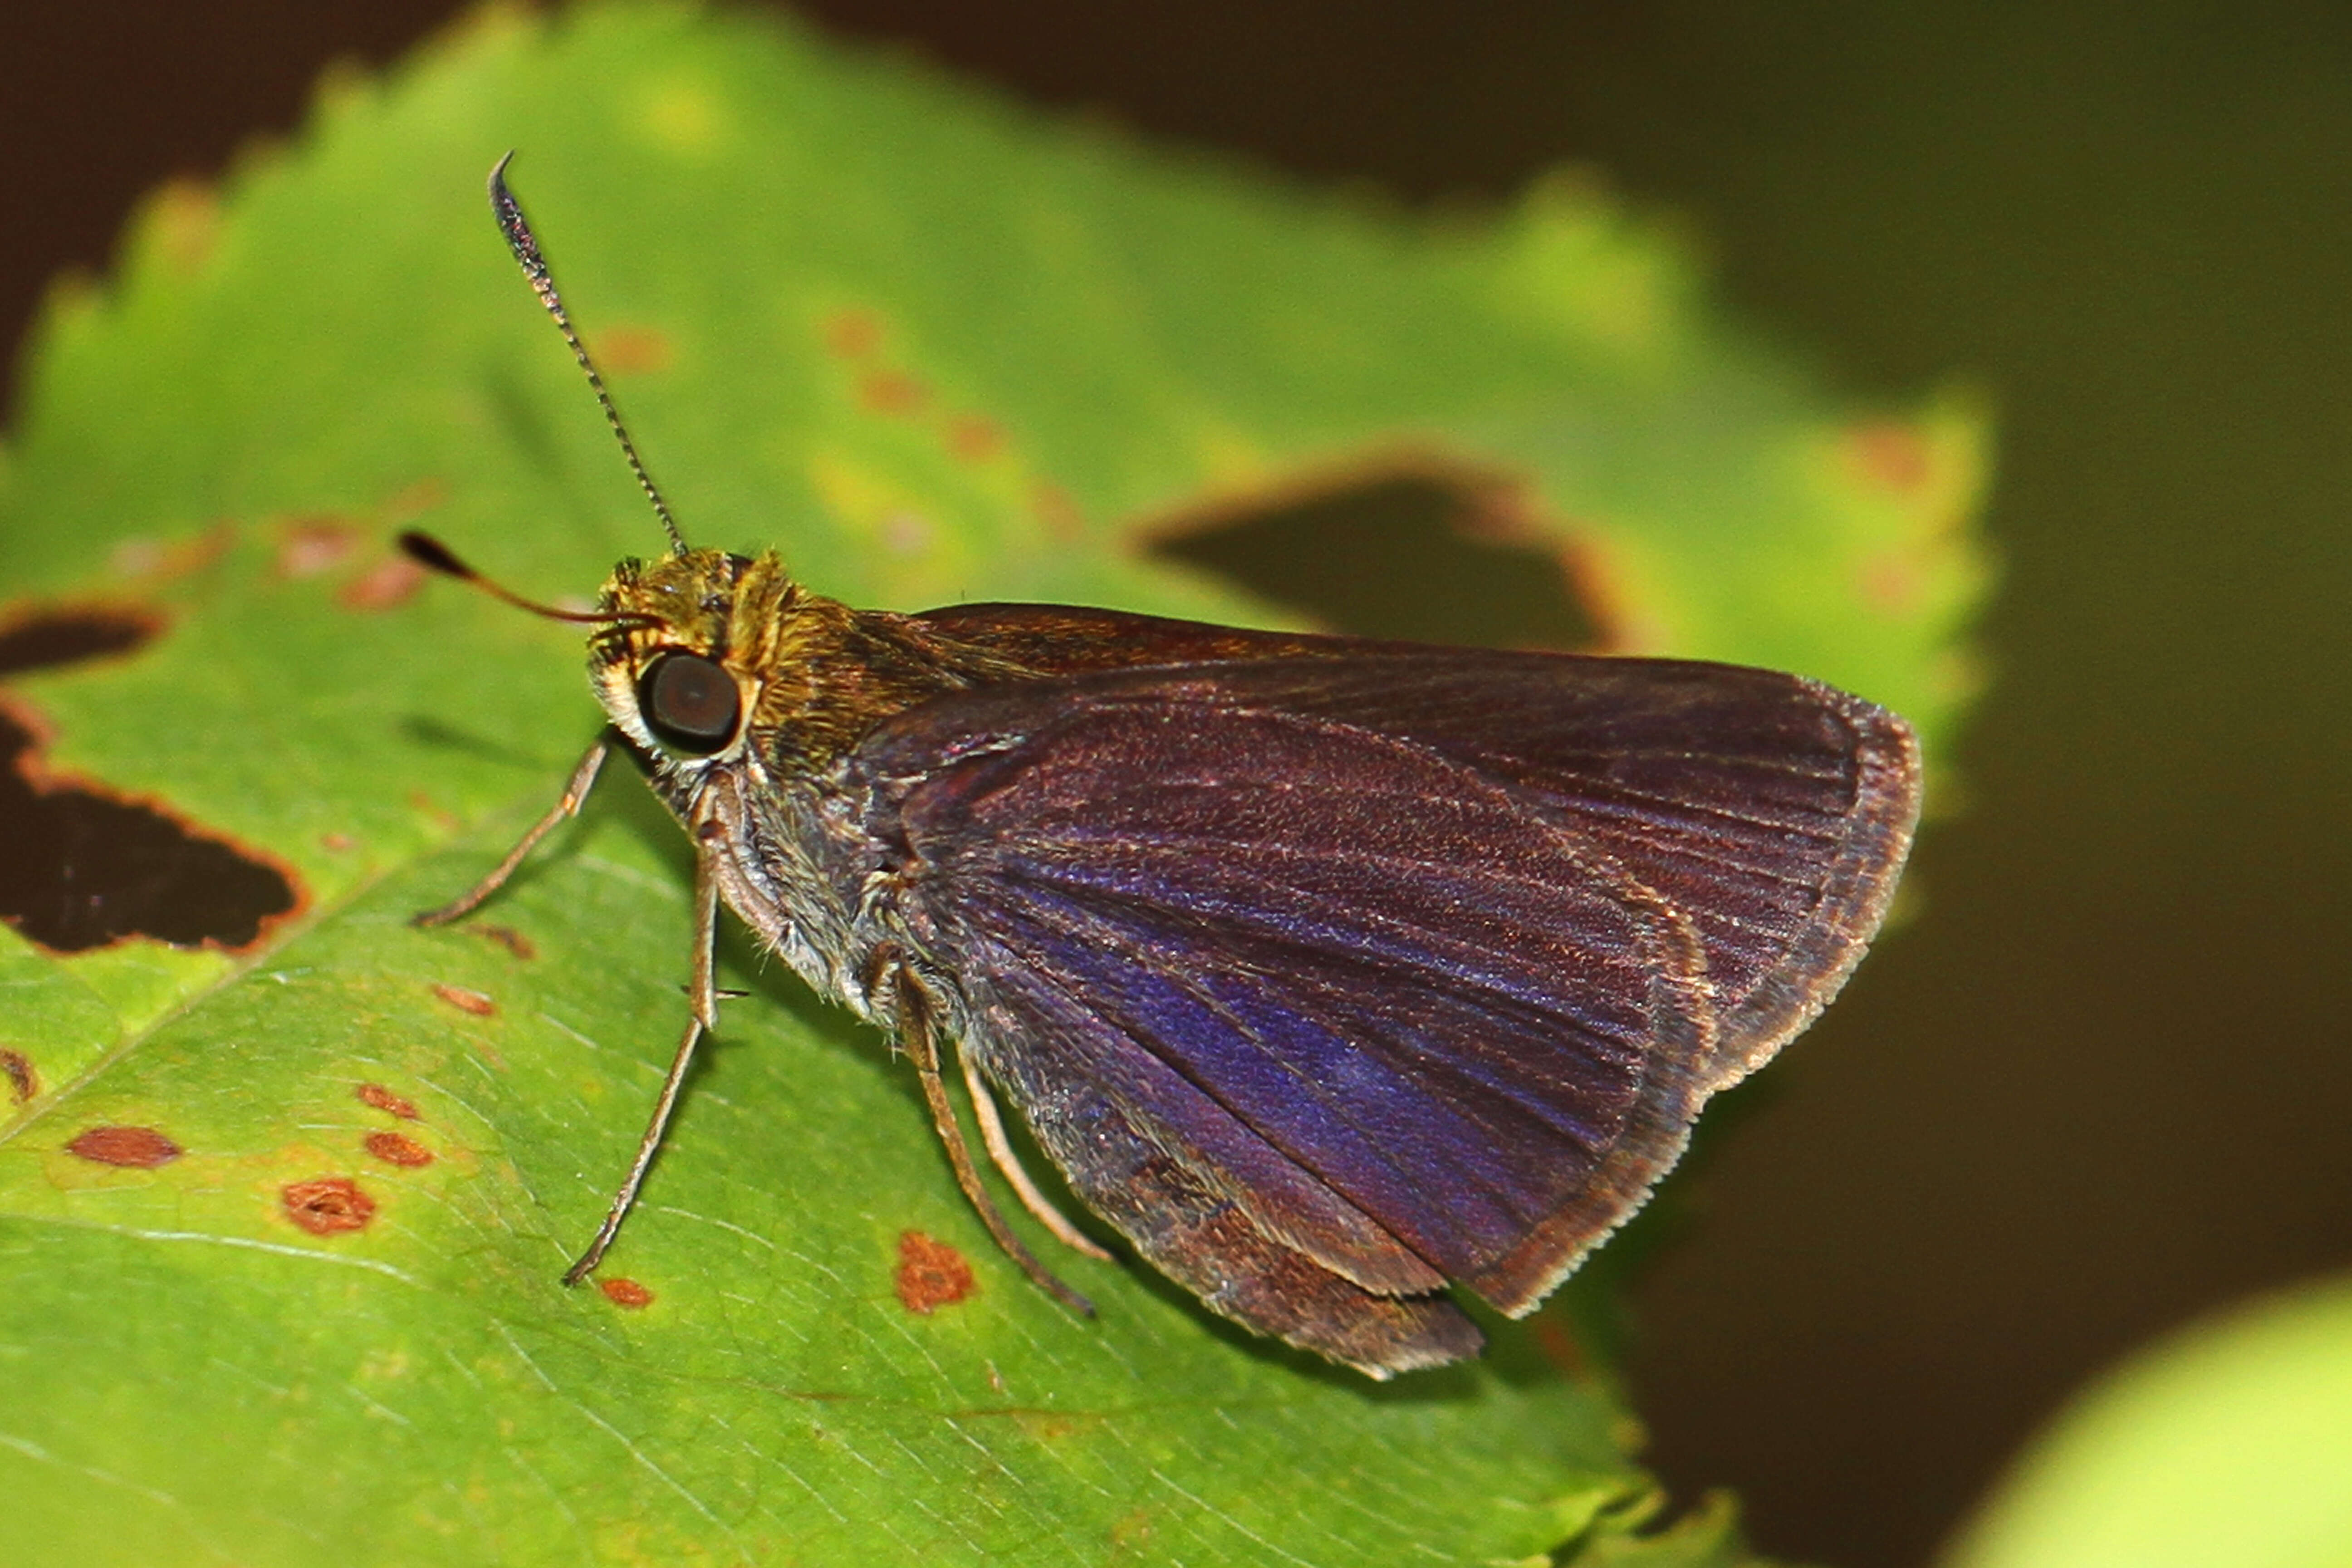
column 1000, row 1150
column 918, row 1033
column 702, row 1017
column 584, row 778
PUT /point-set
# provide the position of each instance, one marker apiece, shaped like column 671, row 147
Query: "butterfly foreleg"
column 702, row 1015
column 575, row 791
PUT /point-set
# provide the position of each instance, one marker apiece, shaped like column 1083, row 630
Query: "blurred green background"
column 2101, row 1084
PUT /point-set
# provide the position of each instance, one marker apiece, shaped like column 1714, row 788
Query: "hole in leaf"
column 40, row 639
column 81, row 870
column 1421, row 556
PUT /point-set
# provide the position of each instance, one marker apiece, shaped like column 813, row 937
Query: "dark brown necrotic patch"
column 81, row 869
column 1423, row 556
column 513, row 941
column 140, row 1148
column 24, row 1083
column 383, row 1098
column 36, row 639
column 466, row 1001
column 394, row 1149
column 329, row 1205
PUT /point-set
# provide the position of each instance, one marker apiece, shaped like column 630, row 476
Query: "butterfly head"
column 688, row 648
column 706, row 657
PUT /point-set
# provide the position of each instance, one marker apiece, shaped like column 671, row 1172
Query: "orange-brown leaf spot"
column 905, row 533
column 974, row 439
column 181, row 222
column 24, row 1083
column 1889, row 455
column 383, row 1098
column 1058, row 511
column 931, row 1274
column 1561, row 1347
column 314, row 545
column 1893, row 582
column 141, row 1148
column 412, row 501
column 513, row 941
column 632, row 351
column 853, row 334
column 395, row 1149
column 624, row 1291
column 162, row 558
column 427, row 805
column 1131, row 1530
column 328, row 1205
column 890, row 391
column 386, row 585
column 466, row 1001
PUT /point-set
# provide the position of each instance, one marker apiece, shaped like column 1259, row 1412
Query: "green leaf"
column 2230, row 1442
column 1707, row 1537
column 934, row 349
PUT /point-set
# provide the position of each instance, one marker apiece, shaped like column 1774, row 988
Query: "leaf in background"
column 935, row 349
column 2230, row 1443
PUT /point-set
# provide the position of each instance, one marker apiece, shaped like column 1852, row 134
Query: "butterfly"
column 1332, row 974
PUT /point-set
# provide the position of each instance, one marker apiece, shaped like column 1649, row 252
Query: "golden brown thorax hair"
column 815, row 674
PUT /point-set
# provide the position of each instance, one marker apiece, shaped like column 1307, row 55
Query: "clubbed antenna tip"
column 525, row 246
column 427, row 551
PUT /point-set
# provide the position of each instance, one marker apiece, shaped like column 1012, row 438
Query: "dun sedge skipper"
column 1332, row 974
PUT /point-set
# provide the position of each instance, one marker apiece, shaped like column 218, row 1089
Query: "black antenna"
column 520, row 239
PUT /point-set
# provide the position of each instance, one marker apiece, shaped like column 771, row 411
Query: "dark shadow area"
column 429, row 729
column 1415, row 557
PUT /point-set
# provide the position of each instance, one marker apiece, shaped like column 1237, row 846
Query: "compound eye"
column 689, row 703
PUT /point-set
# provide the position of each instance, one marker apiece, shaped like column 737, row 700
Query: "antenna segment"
column 427, row 551
column 520, row 239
